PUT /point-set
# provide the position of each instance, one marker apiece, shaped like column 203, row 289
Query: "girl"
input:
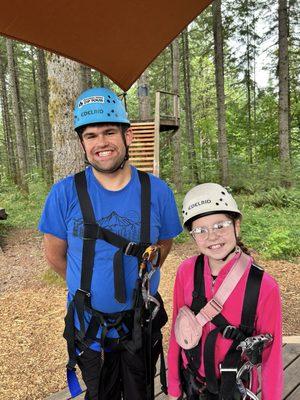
column 209, row 370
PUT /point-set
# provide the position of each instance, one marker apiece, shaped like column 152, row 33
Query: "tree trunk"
column 18, row 126
column 219, row 77
column 39, row 150
column 8, row 139
column 249, row 105
column 44, row 116
column 177, row 178
column 144, row 98
column 284, row 111
column 188, row 108
column 64, row 85
column 85, row 78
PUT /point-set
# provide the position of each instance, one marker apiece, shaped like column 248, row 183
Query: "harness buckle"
column 222, row 369
column 227, row 331
column 216, row 305
column 88, row 294
column 129, row 248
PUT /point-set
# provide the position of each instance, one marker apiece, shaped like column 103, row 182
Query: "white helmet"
column 205, row 199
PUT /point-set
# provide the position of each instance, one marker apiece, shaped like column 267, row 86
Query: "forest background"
column 236, row 69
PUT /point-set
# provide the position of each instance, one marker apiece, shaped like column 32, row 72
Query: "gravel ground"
column 32, row 350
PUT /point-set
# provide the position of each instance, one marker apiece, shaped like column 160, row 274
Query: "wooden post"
column 156, row 134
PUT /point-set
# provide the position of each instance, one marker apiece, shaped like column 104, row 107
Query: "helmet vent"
column 221, row 199
column 108, row 114
column 226, row 204
column 114, row 102
column 217, row 204
column 108, row 96
column 223, row 193
column 108, row 101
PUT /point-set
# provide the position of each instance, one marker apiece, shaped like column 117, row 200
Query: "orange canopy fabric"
column 118, row 38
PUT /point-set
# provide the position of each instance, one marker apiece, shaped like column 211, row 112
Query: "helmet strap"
column 235, row 248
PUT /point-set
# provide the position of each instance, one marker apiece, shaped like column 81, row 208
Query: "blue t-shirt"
column 118, row 211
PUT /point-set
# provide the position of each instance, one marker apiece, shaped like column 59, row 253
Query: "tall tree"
column 45, row 125
column 8, row 138
column 38, row 142
column 64, row 85
column 177, row 177
column 188, row 107
column 219, row 77
column 17, row 114
column 143, row 96
column 284, row 109
column 85, row 77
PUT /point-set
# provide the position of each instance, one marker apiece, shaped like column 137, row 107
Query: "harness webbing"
column 236, row 334
column 93, row 231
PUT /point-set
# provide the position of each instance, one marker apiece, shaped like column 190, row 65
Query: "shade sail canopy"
column 118, row 38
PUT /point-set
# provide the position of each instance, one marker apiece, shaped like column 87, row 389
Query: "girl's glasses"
column 220, row 228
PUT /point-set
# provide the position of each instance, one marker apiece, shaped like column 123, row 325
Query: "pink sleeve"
column 269, row 320
column 174, row 386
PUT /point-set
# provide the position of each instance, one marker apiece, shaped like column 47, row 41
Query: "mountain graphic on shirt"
column 128, row 227
column 123, row 226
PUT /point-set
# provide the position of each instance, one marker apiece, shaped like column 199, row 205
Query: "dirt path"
column 32, row 350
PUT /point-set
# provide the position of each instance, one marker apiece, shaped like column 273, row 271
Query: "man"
column 97, row 226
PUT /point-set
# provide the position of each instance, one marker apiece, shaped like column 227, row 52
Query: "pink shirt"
column 268, row 320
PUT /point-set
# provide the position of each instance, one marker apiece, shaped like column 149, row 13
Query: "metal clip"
column 129, row 248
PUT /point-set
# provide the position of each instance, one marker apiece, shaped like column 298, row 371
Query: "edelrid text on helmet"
column 207, row 198
column 99, row 105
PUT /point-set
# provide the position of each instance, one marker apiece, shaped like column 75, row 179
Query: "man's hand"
column 55, row 252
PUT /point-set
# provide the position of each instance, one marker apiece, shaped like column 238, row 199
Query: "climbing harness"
column 225, row 388
column 188, row 326
column 252, row 349
column 134, row 327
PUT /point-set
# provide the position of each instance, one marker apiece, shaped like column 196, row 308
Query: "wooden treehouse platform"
column 291, row 362
column 144, row 150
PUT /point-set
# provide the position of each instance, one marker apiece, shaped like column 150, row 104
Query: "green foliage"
column 23, row 210
column 273, row 233
column 277, row 197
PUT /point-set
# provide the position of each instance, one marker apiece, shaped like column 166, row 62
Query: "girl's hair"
column 234, row 217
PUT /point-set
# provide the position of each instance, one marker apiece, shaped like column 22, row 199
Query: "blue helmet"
column 99, row 105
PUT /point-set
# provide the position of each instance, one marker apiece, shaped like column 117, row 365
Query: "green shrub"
column 23, row 210
column 272, row 232
column 277, row 197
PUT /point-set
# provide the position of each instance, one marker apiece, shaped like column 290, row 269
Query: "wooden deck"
column 291, row 361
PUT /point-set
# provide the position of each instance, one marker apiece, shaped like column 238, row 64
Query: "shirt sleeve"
column 174, row 385
column 53, row 218
column 269, row 320
column 170, row 223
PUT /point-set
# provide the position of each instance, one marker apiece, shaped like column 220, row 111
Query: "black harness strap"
column 93, row 231
column 233, row 357
column 198, row 302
